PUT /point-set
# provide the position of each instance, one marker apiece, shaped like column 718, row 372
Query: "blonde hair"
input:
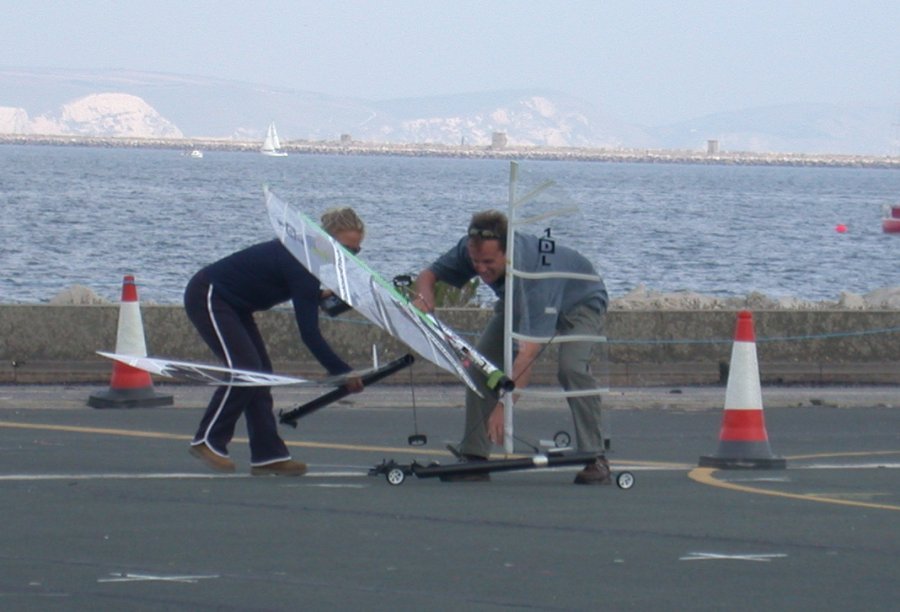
column 336, row 220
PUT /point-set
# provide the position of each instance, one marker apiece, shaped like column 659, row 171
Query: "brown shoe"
column 596, row 473
column 288, row 467
column 214, row 460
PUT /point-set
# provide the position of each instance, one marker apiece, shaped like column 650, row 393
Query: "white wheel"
column 625, row 480
column 395, row 476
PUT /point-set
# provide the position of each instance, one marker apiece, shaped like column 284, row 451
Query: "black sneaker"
column 595, row 473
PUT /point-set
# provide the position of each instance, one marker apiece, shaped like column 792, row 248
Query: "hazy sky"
column 645, row 61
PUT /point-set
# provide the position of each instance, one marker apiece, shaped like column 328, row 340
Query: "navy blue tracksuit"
column 220, row 301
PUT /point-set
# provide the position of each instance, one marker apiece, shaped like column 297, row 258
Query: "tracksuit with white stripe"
column 220, row 301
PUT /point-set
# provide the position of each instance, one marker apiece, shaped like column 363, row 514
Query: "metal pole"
column 508, row 308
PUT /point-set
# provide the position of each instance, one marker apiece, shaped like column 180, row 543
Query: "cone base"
column 744, row 463
column 129, row 398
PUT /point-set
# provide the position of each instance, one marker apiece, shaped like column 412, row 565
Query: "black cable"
column 412, row 389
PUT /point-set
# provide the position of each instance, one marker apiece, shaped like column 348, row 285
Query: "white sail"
column 271, row 145
column 203, row 373
column 524, row 295
column 374, row 298
column 223, row 376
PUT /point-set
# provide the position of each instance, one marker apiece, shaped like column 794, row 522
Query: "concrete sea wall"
column 52, row 344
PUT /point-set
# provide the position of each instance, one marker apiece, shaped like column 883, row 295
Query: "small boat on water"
column 194, row 153
column 890, row 223
column 272, row 146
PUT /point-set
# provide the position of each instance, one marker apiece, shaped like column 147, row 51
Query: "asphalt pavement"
column 105, row 509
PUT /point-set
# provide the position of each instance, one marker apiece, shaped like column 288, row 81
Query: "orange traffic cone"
column 129, row 387
column 743, row 441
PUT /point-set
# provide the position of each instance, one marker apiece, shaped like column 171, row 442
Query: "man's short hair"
column 488, row 225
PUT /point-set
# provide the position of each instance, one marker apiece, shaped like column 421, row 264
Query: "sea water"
column 87, row 216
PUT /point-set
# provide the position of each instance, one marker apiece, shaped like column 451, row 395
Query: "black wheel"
column 625, row 480
column 562, row 439
column 417, row 440
column 395, row 476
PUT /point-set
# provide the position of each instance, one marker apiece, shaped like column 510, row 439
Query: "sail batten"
column 549, row 275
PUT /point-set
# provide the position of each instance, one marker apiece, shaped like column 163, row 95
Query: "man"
column 543, row 308
column 220, row 301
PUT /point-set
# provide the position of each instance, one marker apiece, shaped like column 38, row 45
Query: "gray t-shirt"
column 538, row 302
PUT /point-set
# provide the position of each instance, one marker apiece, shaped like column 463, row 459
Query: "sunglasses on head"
column 477, row 232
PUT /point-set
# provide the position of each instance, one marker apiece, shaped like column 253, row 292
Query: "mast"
column 518, row 217
column 508, row 308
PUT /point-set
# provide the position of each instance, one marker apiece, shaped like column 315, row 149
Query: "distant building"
column 499, row 140
column 346, row 139
column 712, row 147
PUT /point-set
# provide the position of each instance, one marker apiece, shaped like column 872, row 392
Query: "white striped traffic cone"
column 743, row 441
column 129, row 387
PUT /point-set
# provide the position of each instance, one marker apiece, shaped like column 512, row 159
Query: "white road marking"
column 326, row 485
column 761, row 479
column 129, row 577
column 846, row 466
column 703, row 556
column 356, row 472
column 158, row 476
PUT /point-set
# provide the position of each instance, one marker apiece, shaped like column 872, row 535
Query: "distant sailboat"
column 272, row 146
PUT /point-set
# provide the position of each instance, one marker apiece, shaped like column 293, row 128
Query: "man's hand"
column 424, row 291
column 354, row 384
column 495, row 425
column 422, row 304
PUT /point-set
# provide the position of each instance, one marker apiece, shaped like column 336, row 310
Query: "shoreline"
column 653, row 156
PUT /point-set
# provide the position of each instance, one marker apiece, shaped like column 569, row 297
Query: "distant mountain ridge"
column 141, row 104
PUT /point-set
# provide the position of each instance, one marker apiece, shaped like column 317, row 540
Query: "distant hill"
column 141, row 104
column 795, row 128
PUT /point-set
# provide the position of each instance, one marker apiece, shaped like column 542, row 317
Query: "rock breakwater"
column 351, row 147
